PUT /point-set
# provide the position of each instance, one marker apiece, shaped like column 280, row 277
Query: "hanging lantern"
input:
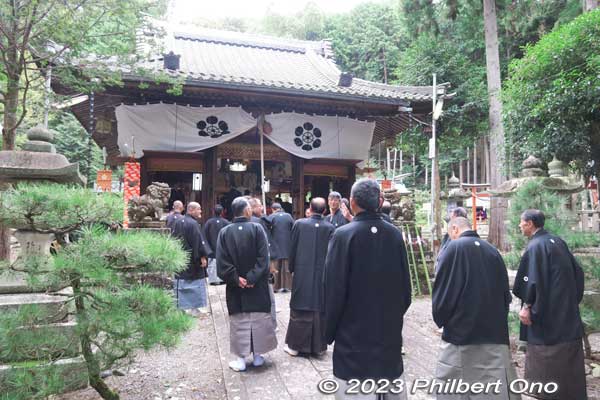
column 104, row 180
column 131, row 186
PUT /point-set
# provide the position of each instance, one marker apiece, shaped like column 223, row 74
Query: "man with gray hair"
column 470, row 301
column 190, row 284
column 550, row 284
column 243, row 263
column 454, row 213
column 212, row 227
column 367, row 292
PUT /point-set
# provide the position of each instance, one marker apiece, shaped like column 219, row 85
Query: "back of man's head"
column 365, row 193
column 218, row 210
column 317, row 205
column 177, row 206
column 386, row 207
column 461, row 223
column 239, row 206
column 459, row 212
column 276, row 206
column 537, row 217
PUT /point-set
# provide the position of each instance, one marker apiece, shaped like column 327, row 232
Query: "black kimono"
column 242, row 251
column 337, row 219
column 306, row 330
column 172, row 219
column 266, row 228
column 212, row 227
column 281, row 231
column 189, row 231
column 552, row 282
column 367, row 292
column 471, row 294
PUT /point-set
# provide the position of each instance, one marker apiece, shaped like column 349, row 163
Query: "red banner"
column 131, row 186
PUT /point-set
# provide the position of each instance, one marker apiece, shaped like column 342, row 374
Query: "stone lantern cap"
column 38, row 161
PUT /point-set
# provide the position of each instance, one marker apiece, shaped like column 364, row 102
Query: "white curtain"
column 309, row 136
column 172, row 127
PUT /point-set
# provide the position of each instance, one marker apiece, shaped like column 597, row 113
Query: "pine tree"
column 116, row 313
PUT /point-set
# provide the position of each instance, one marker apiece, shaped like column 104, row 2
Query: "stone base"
column 72, row 372
column 147, row 225
column 52, row 308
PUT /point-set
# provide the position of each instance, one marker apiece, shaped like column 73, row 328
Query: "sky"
column 185, row 10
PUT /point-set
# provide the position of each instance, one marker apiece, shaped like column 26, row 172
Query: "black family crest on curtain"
column 308, row 137
column 212, row 127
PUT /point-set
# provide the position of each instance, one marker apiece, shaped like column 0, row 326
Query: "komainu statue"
column 149, row 207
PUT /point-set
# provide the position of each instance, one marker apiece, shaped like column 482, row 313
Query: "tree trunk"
column 86, row 347
column 589, row 5
column 497, row 232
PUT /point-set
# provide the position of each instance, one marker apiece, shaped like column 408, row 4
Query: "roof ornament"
column 171, row 61
column 345, row 79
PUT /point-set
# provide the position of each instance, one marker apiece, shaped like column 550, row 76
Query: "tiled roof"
column 220, row 58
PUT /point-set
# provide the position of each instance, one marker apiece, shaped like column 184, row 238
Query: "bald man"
column 310, row 238
column 470, row 301
column 190, row 284
column 176, row 214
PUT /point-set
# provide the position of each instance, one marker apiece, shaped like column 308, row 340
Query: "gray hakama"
column 485, row 363
column 306, row 332
column 251, row 333
column 190, row 293
column 560, row 363
column 213, row 279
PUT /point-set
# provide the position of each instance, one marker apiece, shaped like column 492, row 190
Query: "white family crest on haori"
column 312, row 136
column 177, row 127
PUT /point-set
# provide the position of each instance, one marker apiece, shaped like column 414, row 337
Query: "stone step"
column 16, row 283
column 25, row 344
column 52, row 308
column 72, row 372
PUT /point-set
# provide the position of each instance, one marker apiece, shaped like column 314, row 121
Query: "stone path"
column 296, row 378
column 197, row 369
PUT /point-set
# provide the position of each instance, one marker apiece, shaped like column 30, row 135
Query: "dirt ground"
column 192, row 371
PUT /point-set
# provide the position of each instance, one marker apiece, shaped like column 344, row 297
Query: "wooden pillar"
column 298, row 187
column 475, row 162
column 486, row 151
column 209, row 182
column 468, row 165
column 460, row 172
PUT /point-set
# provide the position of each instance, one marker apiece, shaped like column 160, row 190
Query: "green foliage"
column 54, row 208
column 552, row 98
column 116, row 313
column 559, row 221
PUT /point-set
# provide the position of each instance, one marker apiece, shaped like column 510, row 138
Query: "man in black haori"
column 550, row 284
column 470, row 301
column 281, row 230
column 385, row 211
column 367, row 292
column 310, row 239
column 260, row 218
column 243, row 263
column 335, row 217
column 190, row 284
column 175, row 214
column 212, row 227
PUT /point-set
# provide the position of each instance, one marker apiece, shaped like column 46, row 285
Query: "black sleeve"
column 336, row 281
column 579, row 276
column 405, row 268
column 449, row 282
column 261, row 268
column 225, row 268
column 205, row 249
